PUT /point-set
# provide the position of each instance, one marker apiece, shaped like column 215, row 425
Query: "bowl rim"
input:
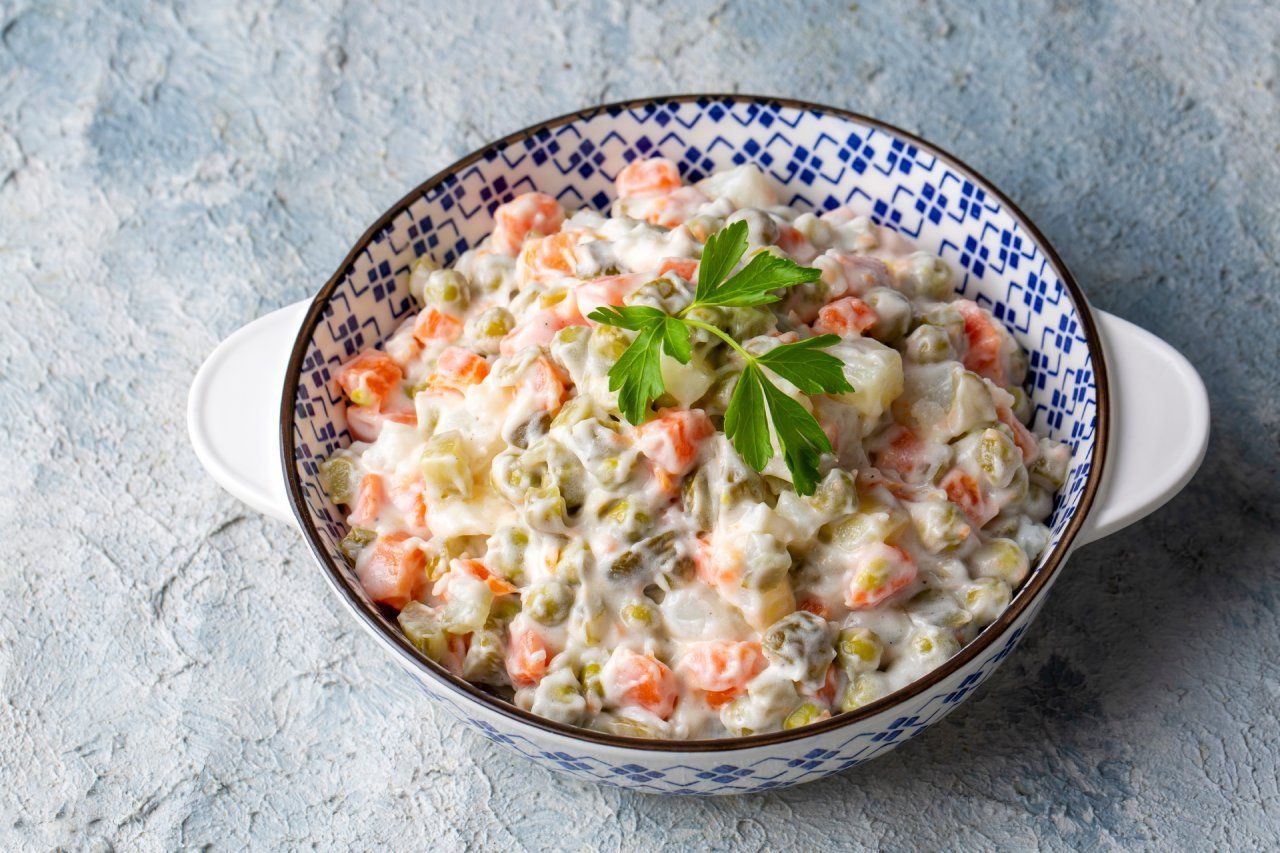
column 1022, row 600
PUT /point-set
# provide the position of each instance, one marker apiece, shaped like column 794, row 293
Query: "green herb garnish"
column 757, row 403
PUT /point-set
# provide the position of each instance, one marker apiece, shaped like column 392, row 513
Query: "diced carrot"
column 1023, row 437
column 814, row 606
column 985, row 339
column 527, row 657
column 683, row 267
column 457, row 645
column 369, row 377
column 407, row 496
column 904, row 454
column 717, row 561
column 674, row 208
column 606, row 290
column 827, row 692
column 478, row 570
column 405, row 416
column 848, row 317
column 545, row 383
column 648, row 177
column 720, row 666
column 530, row 213
column 791, row 241
column 369, row 500
column 668, row 483
column 879, row 571
column 551, row 256
column 435, row 325
column 671, row 440
column 458, row 369
column 391, row 569
column 474, row 569
column 717, row 699
column 643, row 680
column 863, row 272
column 540, row 328
column 365, row 422
column 964, row 491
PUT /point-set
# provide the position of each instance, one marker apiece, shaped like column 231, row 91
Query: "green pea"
column 638, row 616
column 836, row 495
column 489, row 327
column 548, row 603
column 627, row 727
column 545, row 508
column 804, row 715
column 927, row 276
column 447, row 289
column 863, row 690
column 893, row 314
column 575, row 562
column 997, row 456
column 859, row 650
column 1000, row 558
column 420, row 270
column 608, row 343
column 986, row 599
column 938, row 607
column 929, row 345
column 591, row 679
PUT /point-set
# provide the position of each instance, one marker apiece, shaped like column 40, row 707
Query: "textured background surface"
column 175, row 672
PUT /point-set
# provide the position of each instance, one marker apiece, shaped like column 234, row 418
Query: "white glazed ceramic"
column 1133, row 410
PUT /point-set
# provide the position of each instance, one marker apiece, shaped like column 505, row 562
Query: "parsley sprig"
column 758, row 409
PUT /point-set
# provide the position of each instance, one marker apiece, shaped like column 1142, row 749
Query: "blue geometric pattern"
column 824, row 161
column 746, row 771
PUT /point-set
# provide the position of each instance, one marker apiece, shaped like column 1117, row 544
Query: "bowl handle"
column 233, row 410
column 1159, row 423
column 1159, row 427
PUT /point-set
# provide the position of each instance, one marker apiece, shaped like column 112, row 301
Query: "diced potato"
column 875, row 372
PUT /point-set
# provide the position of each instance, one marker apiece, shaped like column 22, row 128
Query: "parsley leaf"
column 800, row 436
column 744, row 421
column 805, row 366
column 637, row 374
column 637, row 318
column 720, row 253
column 758, row 410
column 753, row 284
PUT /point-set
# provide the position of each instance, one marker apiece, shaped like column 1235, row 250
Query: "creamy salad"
column 643, row 579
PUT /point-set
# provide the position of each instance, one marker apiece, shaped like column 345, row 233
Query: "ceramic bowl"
column 1086, row 392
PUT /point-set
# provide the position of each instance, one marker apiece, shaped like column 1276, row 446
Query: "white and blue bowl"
column 825, row 158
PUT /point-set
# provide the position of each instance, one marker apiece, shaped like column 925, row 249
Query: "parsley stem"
column 751, row 359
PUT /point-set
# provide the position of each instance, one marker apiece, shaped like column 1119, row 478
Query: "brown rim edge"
column 1021, row 601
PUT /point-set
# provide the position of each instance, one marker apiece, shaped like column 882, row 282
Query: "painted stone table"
column 173, row 669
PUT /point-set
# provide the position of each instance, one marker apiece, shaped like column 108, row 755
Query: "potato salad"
column 705, row 466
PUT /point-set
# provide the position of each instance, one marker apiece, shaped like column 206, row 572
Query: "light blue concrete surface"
column 173, row 669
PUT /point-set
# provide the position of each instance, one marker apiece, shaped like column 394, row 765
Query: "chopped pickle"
column 355, row 541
